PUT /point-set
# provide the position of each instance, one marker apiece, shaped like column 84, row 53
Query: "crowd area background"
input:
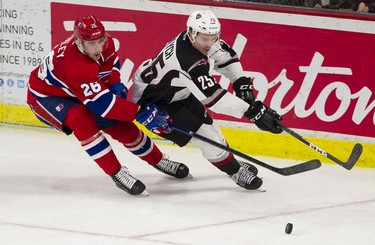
column 360, row 6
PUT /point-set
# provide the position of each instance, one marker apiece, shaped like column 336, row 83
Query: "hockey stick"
column 356, row 152
column 299, row 168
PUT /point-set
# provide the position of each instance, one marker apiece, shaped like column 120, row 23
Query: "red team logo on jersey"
column 59, row 107
column 202, row 62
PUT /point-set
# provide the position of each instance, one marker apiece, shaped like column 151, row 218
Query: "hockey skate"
column 247, row 179
column 172, row 168
column 249, row 167
column 128, row 183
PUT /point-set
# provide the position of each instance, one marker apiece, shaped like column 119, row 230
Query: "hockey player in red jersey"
column 179, row 82
column 77, row 89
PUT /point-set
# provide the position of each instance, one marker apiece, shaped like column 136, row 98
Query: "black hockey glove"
column 243, row 87
column 265, row 118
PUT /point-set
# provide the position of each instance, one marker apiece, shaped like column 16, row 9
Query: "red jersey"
column 66, row 72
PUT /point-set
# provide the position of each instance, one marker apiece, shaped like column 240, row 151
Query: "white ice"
column 52, row 193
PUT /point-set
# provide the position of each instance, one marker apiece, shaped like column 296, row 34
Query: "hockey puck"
column 288, row 228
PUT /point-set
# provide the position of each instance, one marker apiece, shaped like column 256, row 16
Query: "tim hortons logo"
column 283, row 85
column 342, row 91
column 363, row 107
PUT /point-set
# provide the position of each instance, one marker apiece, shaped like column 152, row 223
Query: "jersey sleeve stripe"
column 102, row 103
column 229, row 62
column 109, row 106
column 51, row 79
column 37, row 94
column 210, row 101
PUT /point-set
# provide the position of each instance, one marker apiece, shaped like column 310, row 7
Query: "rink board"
column 321, row 91
column 251, row 142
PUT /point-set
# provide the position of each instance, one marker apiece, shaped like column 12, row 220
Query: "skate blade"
column 189, row 176
column 261, row 189
column 144, row 194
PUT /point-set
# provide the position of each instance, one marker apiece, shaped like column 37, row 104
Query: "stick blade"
column 354, row 156
column 299, row 168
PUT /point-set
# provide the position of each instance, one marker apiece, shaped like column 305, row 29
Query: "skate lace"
column 124, row 177
column 244, row 177
column 243, row 164
column 168, row 166
column 248, row 167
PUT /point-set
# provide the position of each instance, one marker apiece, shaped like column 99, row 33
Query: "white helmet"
column 202, row 21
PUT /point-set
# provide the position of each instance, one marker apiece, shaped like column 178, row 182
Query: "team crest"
column 59, row 107
column 201, row 62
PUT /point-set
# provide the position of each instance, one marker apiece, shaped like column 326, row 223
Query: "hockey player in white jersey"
column 179, row 82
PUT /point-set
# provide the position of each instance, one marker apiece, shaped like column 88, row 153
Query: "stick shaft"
column 303, row 167
column 356, row 152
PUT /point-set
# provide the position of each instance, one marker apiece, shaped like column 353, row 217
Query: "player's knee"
column 81, row 121
column 125, row 132
column 209, row 151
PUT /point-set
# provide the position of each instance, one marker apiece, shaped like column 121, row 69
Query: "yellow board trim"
column 16, row 114
column 255, row 143
column 286, row 146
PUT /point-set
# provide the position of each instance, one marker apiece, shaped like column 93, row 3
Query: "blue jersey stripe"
column 99, row 147
column 101, row 104
column 146, row 147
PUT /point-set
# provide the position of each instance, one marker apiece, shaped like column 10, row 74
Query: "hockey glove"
column 265, row 118
column 243, row 87
column 154, row 119
column 119, row 89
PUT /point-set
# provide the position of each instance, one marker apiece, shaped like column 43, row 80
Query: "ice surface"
column 52, row 193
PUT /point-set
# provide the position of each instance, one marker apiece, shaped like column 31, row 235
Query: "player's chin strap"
column 79, row 45
column 295, row 169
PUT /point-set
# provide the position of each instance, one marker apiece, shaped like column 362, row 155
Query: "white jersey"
column 180, row 70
